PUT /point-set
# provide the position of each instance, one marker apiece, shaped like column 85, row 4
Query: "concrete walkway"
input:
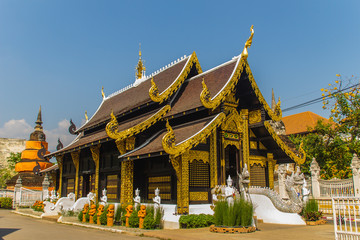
column 267, row 231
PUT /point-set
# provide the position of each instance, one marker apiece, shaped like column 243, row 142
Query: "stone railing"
column 335, row 187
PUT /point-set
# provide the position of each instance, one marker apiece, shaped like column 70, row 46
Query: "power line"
column 316, row 100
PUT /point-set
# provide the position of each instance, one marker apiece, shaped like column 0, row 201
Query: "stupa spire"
column 39, row 121
column 140, row 68
column 273, row 102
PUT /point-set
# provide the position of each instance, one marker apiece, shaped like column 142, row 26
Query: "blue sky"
column 58, row 54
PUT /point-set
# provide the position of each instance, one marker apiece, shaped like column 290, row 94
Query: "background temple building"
column 301, row 123
column 181, row 130
column 32, row 160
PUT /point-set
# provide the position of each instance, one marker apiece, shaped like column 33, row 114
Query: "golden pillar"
column 176, row 163
column 76, row 159
column 59, row 160
column 271, row 168
column 185, row 158
column 244, row 113
column 127, row 171
column 95, row 152
column 213, row 160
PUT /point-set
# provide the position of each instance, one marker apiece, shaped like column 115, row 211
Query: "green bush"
column 103, row 217
column 6, row 202
column 311, row 211
column 80, row 216
column 149, row 221
column 196, row 221
column 238, row 214
column 87, row 216
column 134, row 219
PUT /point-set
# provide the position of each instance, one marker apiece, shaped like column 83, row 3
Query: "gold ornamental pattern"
column 112, row 127
column 299, row 160
column 161, row 97
column 95, row 153
column 168, row 141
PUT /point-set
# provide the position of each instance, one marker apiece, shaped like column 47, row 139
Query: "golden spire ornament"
column 102, row 92
column 248, row 43
column 86, row 116
column 140, row 68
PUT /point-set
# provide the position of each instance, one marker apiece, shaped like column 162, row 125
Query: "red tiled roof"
column 301, row 122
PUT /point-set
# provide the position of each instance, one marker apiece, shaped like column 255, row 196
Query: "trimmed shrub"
column 311, row 211
column 6, row 202
column 238, row 214
column 196, row 221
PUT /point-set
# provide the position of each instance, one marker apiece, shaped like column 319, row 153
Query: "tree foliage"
column 8, row 172
column 333, row 144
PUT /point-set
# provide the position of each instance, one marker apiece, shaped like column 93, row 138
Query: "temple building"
column 182, row 130
column 302, row 123
column 32, row 159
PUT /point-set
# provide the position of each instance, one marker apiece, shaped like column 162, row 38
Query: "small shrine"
column 32, row 160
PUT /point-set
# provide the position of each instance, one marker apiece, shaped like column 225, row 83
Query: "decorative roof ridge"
column 168, row 141
column 284, row 147
column 154, row 94
column 214, row 102
column 168, row 66
column 64, row 148
column 148, row 77
column 82, row 127
column 112, row 127
column 213, row 69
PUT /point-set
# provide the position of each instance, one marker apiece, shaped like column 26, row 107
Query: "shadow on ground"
column 6, row 231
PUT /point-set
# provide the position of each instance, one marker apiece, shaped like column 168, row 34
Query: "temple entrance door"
column 86, row 185
column 232, row 165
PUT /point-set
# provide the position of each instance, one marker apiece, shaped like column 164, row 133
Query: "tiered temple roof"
column 175, row 92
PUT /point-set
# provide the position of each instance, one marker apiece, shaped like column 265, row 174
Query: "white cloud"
column 21, row 129
column 16, row 129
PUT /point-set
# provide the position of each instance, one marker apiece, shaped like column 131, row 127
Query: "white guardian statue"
column 229, row 191
column 103, row 199
column 137, row 198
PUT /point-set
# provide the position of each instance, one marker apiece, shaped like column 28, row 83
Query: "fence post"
column 355, row 168
column 315, row 175
column 17, row 192
column 45, row 187
column 281, row 178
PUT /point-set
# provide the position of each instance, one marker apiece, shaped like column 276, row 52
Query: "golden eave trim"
column 161, row 97
column 272, row 115
column 284, row 147
column 214, row 102
column 168, row 141
column 112, row 126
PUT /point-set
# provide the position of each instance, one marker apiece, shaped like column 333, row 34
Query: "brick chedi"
column 32, row 159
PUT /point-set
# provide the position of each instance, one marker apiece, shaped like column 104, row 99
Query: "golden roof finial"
column 140, row 68
column 102, row 92
column 86, row 116
column 248, row 43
